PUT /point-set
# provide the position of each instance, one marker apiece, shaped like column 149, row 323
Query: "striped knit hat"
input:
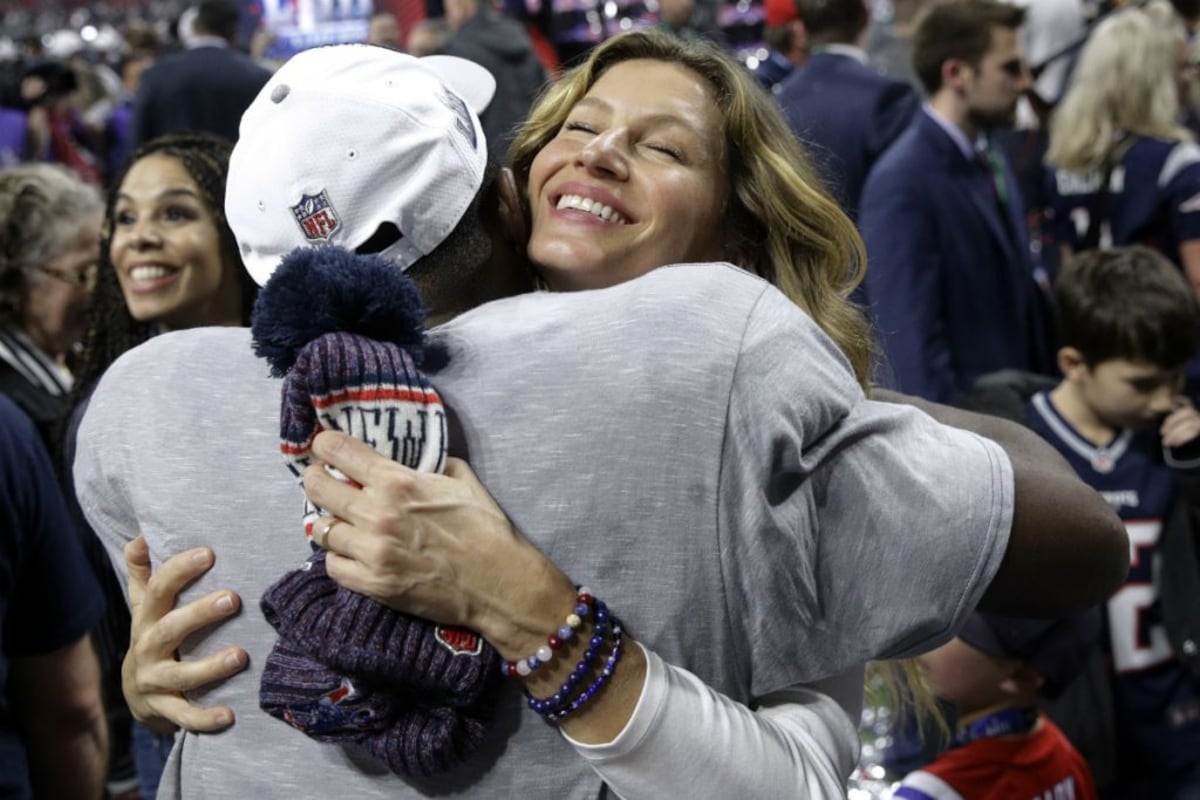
column 368, row 389
column 345, row 332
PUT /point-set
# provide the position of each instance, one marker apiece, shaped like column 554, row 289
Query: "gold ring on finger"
column 323, row 537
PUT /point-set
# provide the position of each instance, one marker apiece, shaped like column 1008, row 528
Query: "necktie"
column 994, row 169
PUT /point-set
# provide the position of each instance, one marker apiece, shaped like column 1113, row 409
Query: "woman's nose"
column 605, row 155
column 144, row 234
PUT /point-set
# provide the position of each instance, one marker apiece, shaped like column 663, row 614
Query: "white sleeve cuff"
column 649, row 706
column 684, row 738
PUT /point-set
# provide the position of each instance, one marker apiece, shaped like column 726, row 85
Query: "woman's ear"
column 513, row 214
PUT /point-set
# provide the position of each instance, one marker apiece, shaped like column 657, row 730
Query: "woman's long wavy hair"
column 1124, row 83
column 781, row 224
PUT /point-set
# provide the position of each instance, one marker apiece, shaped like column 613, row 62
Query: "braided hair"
column 111, row 328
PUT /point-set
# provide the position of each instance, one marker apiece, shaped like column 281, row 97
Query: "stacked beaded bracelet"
column 587, row 662
column 587, row 694
column 584, row 604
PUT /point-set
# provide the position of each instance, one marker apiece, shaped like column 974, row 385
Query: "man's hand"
column 153, row 679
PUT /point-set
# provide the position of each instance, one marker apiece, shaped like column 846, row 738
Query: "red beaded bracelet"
column 584, row 603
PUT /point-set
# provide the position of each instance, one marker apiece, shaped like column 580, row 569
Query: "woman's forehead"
column 652, row 87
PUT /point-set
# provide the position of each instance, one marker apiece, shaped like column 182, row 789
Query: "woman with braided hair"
column 167, row 261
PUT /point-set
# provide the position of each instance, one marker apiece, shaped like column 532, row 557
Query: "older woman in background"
column 48, row 247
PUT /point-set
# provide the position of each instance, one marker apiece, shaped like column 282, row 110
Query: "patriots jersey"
column 1158, row 702
column 1154, row 199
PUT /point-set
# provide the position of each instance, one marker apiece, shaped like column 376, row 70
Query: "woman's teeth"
column 594, row 207
column 142, row 274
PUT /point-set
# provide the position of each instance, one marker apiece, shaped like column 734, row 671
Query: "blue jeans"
column 150, row 751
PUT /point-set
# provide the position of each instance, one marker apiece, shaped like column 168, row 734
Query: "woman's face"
column 634, row 180
column 167, row 250
column 56, row 306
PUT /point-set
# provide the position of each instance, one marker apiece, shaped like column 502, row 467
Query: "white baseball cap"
column 345, row 142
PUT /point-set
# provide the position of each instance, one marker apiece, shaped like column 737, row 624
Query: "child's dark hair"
column 1129, row 303
column 111, row 329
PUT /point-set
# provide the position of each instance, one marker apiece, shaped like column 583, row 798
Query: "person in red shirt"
column 1004, row 747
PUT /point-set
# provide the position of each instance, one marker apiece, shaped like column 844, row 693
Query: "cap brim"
column 474, row 84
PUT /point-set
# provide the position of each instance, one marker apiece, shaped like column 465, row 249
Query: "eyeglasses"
column 84, row 277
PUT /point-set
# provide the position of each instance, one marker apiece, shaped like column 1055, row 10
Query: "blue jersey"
column 1158, row 702
column 1154, row 199
column 48, row 594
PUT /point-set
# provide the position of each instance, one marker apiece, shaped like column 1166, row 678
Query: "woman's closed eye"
column 575, row 125
column 667, row 150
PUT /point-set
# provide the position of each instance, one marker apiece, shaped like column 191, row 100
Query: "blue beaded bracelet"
column 584, row 605
column 586, row 664
column 610, row 666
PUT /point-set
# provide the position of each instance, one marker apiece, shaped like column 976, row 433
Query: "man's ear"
column 1024, row 679
column 513, row 214
column 955, row 72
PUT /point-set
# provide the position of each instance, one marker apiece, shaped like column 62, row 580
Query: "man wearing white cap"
column 375, row 151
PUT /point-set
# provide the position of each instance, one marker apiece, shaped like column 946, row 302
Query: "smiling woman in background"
column 168, row 261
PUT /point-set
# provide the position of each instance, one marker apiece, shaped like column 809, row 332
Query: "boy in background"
column 1128, row 323
column 1004, row 747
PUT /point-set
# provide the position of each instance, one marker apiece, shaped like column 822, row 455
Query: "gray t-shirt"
column 688, row 444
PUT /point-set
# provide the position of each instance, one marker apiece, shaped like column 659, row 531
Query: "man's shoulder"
column 193, row 355
column 912, row 153
column 178, row 381
column 210, row 61
column 681, row 298
column 675, row 285
column 854, row 73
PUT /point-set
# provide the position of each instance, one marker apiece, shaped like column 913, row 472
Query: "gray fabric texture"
column 688, row 444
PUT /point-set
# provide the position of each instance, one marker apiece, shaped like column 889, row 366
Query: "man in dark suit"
column 843, row 110
column 204, row 87
column 950, row 280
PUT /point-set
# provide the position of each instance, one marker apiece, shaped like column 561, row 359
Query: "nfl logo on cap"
column 316, row 216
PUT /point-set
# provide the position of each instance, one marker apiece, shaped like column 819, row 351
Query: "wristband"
column 584, row 603
column 610, row 666
column 587, row 662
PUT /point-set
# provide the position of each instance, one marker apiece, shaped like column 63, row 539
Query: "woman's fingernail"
column 202, row 556
column 224, row 603
column 233, row 660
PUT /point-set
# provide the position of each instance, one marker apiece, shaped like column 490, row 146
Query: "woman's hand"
column 153, row 680
column 434, row 545
column 438, row 547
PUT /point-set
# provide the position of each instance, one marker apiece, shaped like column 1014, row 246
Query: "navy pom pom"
column 319, row 290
